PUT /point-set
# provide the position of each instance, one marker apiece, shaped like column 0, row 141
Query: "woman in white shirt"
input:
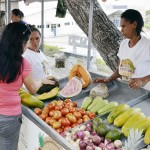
column 37, row 59
column 134, row 52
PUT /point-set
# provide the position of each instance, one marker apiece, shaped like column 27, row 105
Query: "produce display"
column 82, row 73
column 94, row 135
column 63, row 115
column 29, row 100
column 79, row 125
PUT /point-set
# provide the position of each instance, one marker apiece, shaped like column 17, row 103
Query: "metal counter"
column 118, row 91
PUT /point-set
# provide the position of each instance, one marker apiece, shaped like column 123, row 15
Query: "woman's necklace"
column 38, row 51
column 133, row 43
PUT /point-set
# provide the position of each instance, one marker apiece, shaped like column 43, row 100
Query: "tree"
column 105, row 36
column 2, row 20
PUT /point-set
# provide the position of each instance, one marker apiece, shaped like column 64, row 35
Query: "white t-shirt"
column 135, row 61
column 39, row 64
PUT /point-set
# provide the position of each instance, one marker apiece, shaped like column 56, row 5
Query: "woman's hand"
column 101, row 80
column 48, row 81
column 136, row 83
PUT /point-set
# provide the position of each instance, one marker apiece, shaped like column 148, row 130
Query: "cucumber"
column 95, row 101
column 107, row 108
column 86, row 102
column 101, row 104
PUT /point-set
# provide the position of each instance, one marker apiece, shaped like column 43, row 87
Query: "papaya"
column 49, row 95
column 132, row 120
column 147, row 136
column 80, row 71
column 48, row 87
column 31, row 101
column 122, row 118
column 116, row 112
column 142, row 124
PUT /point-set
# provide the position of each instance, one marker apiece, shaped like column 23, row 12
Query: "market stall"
column 118, row 92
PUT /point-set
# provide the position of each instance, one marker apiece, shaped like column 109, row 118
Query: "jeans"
column 9, row 131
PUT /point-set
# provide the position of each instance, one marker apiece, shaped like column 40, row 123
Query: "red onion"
column 80, row 134
column 101, row 145
column 82, row 145
column 89, row 128
column 89, row 124
column 74, row 137
column 96, row 139
column 110, row 146
column 90, row 146
column 93, row 133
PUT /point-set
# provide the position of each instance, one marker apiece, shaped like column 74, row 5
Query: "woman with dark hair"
column 17, row 15
column 134, row 52
column 36, row 58
column 14, row 71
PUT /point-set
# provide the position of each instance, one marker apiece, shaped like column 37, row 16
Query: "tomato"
column 64, row 111
column 57, row 115
column 68, row 105
column 74, row 104
column 51, row 113
column 67, row 101
column 80, row 121
column 42, row 116
column 75, row 124
column 46, row 109
column 65, row 122
column 58, row 107
column 85, row 118
column 67, row 128
column 47, row 120
column 60, row 102
column 59, row 130
column 38, row 111
column 56, row 125
column 77, row 114
column 51, row 106
column 72, row 109
column 68, row 115
column 91, row 115
column 51, row 121
column 61, row 119
column 82, row 111
column 72, row 118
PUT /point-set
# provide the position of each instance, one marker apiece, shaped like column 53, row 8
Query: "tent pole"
column 90, row 34
column 7, row 10
column 42, row 25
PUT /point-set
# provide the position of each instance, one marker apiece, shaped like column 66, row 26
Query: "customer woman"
column 17, row 15
column 14, row 71
column 134, row 52
column 36, row 58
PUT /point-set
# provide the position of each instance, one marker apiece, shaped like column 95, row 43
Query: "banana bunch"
column 29, row 100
